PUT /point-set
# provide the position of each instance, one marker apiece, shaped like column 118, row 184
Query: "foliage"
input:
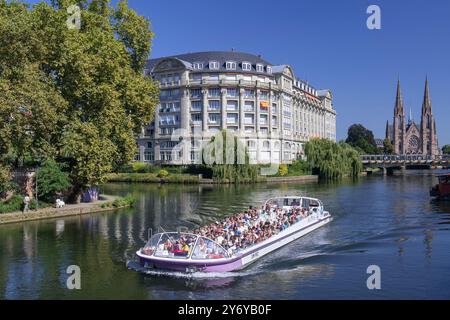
column 127, row 201
column 162, row 173
column 388, row 147
column 5, row 178
column 283, row 170
column 331, row 160
column 446, row 149
column 75, row 96
column 15, row 204
column 140, row 167
column 51, row 179
column 228, row 166
column 359, row 136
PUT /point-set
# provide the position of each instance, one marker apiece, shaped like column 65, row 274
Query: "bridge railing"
column 404, row 157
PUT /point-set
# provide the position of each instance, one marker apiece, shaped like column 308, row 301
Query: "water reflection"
column 388, row 221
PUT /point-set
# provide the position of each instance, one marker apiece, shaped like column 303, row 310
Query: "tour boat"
column 207, row 255
column 442, row 190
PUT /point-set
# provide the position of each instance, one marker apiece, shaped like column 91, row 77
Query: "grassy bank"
column 16, row 204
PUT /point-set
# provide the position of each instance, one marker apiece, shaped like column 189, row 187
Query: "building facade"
column 407, row 137
column 272, row 111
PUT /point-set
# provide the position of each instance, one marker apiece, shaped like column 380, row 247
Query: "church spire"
column 426, row 97
column 399, row 99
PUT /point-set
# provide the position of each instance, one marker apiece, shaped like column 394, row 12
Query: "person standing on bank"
column 26, row 203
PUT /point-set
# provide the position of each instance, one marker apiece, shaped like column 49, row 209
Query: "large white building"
column 271, row 110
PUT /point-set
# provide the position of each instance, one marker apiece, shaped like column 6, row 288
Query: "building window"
column 214, row 118
column 196, row 105
column 195, row 76
column 214, row 105
column 264, row 130
column 249, row 118
column 274, row 108
column 259, row 68
column 249, row 129
column 196, row 93
column 249, row 93
column 214, row 65
column 251, row 144
column 232, row 118
column 230, row 65
column 264, row 95
column 249, row 106
column 197, row 65
column 269, row 69
column 246, row 66
column 196, row 117
column 214, row 92
column 274, row 121
column 232, row 105
column 149, row 156
column 149, row 145
column 232, row 92
column 263, row 119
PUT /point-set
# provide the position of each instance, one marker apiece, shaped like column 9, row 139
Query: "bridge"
column 391, row 162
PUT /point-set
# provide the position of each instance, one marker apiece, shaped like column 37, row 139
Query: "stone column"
column 241, row 110
column 223, row 102
column 205, row 110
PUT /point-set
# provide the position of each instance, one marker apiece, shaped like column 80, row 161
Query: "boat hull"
column 240, row 261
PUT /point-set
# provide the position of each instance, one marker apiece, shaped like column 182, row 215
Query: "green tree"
column 446, row 149
column 233, row 163
column 360, row 137
column 78, row 96
column 388, row 147
column 51, row 180
column 332, row 160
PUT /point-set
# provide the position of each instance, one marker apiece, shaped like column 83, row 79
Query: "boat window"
column 208, row 249
column 150, row 247
column 175, row 245
column 305, row 203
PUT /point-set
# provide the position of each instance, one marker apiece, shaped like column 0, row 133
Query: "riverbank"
column 197, row 179
column 104, row 204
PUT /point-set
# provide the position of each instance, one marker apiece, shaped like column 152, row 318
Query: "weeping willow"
column 232, row 163
column 331, row 160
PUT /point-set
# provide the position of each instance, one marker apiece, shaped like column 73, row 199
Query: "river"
column 385, row 221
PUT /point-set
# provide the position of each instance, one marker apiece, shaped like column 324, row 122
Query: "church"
column 409, row 137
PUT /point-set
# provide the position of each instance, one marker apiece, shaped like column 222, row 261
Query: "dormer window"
column 230, row 65
column 259, row 68
column 214, row 65
column 197, row 65
column 246, row 66
column 269, row 69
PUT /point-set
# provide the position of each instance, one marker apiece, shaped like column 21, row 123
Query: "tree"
column 446, row 149
column 388, row 147
column 332, row 160
column 51, row 180
column 76, row 96
column 359, row 136
column 231, row 159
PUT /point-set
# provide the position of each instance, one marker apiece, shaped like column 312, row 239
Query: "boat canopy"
column 182, row 245
column 295, row 201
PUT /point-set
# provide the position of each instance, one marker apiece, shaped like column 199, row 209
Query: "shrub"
column 162, row 173
column 16, row 204
column 140, row 167
column 51, row 179
column 283, row 170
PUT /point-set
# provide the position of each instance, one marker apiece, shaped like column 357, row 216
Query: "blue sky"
column 329, row 45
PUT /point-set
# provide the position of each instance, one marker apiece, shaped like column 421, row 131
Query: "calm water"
column 386, row 221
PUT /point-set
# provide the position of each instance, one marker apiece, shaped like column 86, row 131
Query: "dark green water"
column 384, row 221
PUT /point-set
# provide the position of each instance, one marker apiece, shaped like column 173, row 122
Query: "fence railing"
column 405, row 158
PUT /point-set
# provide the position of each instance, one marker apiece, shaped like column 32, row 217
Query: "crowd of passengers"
column 237, row 232
column 251, row 227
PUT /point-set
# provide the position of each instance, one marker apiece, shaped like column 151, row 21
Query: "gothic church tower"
column 428, row 126
column 399, row 126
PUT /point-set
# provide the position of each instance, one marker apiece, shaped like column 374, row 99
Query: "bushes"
column 16, row 204
column 162, row 173
column 51, row 180
column 140, row 167
column 127, row 201
column 283, row 170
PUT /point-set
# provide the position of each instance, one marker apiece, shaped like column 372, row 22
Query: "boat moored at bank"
column 238, row 241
